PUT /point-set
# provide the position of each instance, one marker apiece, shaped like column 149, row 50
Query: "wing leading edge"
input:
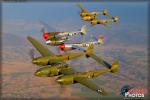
column 91, row 85
column 44, row 51
column 82, row 8
column 86, row 82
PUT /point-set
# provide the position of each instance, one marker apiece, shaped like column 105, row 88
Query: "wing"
column 96, row 58
column 85, row 81
column 78, row 47
column 101, row 61
column 44, row 51
column 91, row 85
column 82, row 8
column 105, row 25
column 69, row 71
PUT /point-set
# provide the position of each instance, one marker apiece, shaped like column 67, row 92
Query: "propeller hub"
column 62, row 46
column 35, row 61
column 46, row 35
column 37, row 73
column 102, row 37
column 59, row 80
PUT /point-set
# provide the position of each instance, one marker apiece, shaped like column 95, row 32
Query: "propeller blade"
column 105, row 25
column 93, row 37
column 45, row 27
column 43, row 30
column 31, row 53
column 62, row 89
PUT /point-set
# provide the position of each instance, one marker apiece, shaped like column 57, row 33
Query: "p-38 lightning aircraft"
column 88, row 16
column 68, row 74
column 104, row 21
column 57, row 38
column 55, row 59
column 92, row 17
column 81, row 45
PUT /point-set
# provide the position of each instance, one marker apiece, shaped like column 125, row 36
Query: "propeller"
column 31, row 53
column 32, row 56
column 43, row 30
column 106, row 25
column 93, row 37
column 45, row 26
column 60, row 49
column 62, row 89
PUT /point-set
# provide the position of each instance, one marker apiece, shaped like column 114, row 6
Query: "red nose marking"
column 45, row 35
column 102, row 37
column 62, row 46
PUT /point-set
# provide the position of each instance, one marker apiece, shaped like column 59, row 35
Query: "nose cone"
column 41, row 73
column 62, row 46
column 59, row 80
column 34, row 61
column 37, row 73
column 46, row 36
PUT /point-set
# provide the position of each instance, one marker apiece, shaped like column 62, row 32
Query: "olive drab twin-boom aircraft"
column 81, row 45
column 67, row 74
column 54, row 59
column 57, row 38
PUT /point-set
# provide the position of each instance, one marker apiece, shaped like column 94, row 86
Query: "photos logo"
column 131, row 92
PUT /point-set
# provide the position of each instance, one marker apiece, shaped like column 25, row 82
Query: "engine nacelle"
column 66, row 80
column 88, row 18
column 83, row 14
column 51, row 70
column 94, row 22
column 42, row 61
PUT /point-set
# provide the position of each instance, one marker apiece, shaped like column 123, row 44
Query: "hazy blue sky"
column 57, row 11
column 22, row 18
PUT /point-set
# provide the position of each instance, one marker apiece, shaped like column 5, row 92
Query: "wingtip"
column 115, row 66
column 28, row 37
column 103, row 92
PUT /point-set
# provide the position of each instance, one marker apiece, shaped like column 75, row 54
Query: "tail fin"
column 83, row 30
column 105, row 12
column 115, row 67
column 89, row 50
column 116, row 19
column 101, row 39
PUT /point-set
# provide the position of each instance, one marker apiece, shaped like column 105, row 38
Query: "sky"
column 22, row 17
column 135, row 12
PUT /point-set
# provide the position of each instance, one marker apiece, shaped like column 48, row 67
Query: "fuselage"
column 55, row 43
column 70, row 79
column 55, row 36
column 67, row 47
column 83, row 14
column 48, row 60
